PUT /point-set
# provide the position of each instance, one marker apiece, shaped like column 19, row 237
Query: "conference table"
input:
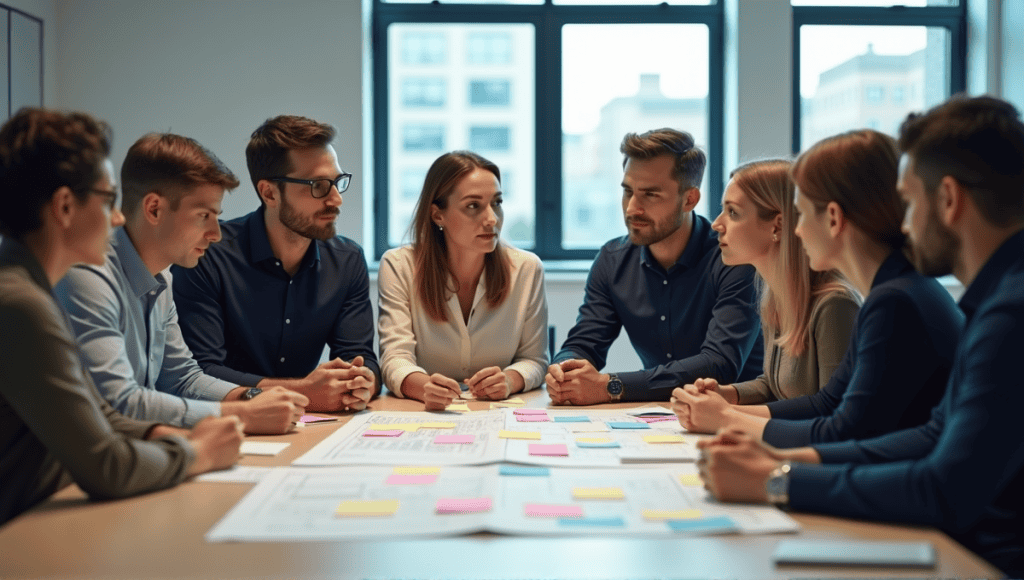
column 161, row 535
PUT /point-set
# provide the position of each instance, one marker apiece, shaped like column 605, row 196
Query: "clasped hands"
column 576, row 382
column 490, row 383
column 337, row 385
column 704, row 406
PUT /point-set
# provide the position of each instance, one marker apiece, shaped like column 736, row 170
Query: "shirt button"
column 664, row 281
column 289, row 282
column 668, row 355
column 282, row 359
column 663, row 318
column 287, row 320
column 152, row 292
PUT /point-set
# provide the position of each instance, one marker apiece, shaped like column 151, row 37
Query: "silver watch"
column 777, row 486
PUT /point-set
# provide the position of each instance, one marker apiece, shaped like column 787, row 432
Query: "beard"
column 935, row 254
column 659, row 230
column 306, row 226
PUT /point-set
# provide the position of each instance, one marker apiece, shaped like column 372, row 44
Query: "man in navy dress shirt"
column 282, row 284
column 687, row 314
column 962, row 177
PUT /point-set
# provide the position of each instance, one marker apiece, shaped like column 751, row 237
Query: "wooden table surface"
column 160, row 535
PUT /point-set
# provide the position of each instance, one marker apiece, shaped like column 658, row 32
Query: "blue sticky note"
column 628, row 425
column 720, row 524
column 524, row 470
column 590, row 445
column 571, row 419
column 615, row 521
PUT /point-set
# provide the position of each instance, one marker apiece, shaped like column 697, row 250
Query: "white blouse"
column 512, row 336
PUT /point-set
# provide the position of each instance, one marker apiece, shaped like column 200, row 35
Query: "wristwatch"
column 250, row 393
column 777, row 486
column 614, row 388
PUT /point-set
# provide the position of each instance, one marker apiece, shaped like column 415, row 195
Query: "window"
column 870, row 63
column 494, row 93
column 555, row 123
column 423, row 137
column 424, row 92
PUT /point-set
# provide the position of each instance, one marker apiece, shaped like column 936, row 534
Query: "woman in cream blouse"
column 459, row 305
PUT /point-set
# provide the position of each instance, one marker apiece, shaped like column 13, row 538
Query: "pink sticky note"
column 454, row 438
column 530, row 412
column 316, row 419
column 389, row 433
column 553, row 511
column 658, row 419
column 532, row 418
column 419, row 479
column 451, row 505
column 556, row 449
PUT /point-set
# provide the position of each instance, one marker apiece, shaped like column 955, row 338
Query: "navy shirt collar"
column 135, row 270
column 259, row 242
column 15, row 253
column 992, row 273
column 693, row 252
column 893, row 266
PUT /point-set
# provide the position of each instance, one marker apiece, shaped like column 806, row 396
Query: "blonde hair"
column 786, row 314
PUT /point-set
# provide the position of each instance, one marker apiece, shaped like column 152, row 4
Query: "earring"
column 440, row 228
column 775, row 237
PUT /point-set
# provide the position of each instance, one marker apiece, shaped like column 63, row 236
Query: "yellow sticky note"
column 360, row 508
column 416, row 470
column 598, row 493
column 513, row 402
column 593, row 440
column 457, row 407
column 691, row 479
column 664, row 439
column 672, row 514
column 519, row 435
column 389, row 426
column 437, row 425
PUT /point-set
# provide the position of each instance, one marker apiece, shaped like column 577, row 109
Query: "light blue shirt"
column 128, row 334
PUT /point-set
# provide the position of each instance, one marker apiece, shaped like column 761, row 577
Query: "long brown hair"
column 429, row 248
column 858, row 171
column 786, row 315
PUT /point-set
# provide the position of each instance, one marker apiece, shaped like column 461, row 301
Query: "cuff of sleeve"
column 196, row 411
column 787, row 408
column 531, row 372
column 632, row 385
column 232, row 376
column 748, row 393
column 566, row 354
column 809, row 485
column 840, row 452
column 397, row 377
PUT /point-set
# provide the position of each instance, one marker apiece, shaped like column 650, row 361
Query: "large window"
column 867, row 63
column 481, row 76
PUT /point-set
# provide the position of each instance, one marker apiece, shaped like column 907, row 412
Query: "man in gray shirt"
column 57, row 206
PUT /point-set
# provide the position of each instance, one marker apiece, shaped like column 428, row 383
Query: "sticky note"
column 360, row 508
column 593, row 440
column 672, row 514
column 628, row 425
column 658, row 418
column 518, row 434
column 664, row 439
column 436, row 425
column 532, row 418
column 457, row 407
column 393, row 426
column 513, row 402
column 530, row 412
column 416, row 470
column 601, row 445
column 598, row 493
column 454, row 438
column 571, row 419
column 450, row 505
column 554, row 450
column 609, row 522
column 419, row 479
column 553, row 511
column 316, row 419
column 524, row 470
column 690, row 479
column 262, row 447
column 388, row 433
column 720, row 524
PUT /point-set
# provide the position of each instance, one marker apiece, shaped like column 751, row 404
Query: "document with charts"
column 339, row 503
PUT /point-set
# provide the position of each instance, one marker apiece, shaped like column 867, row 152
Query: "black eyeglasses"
column 320, row 188
column 110, row 196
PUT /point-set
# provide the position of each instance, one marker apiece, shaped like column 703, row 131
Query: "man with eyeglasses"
column 122, row 311
column 282, row 284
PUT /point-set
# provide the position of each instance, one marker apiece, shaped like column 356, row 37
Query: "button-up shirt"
column 698, row 319
column 245, row 318
column 128, row 332
column 963, row 470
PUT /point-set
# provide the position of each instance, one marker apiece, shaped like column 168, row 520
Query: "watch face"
column 249, row 394
column 614, row 386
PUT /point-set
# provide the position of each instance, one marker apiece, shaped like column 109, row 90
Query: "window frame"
column 548, row 20
column 952, row 18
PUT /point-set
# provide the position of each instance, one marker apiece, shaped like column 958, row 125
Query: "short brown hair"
column 979, row 142
column 689, row 160
column 858, row 171
column 429, row 250
column 171, row 166
column 266, row 155
column 40, row 152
